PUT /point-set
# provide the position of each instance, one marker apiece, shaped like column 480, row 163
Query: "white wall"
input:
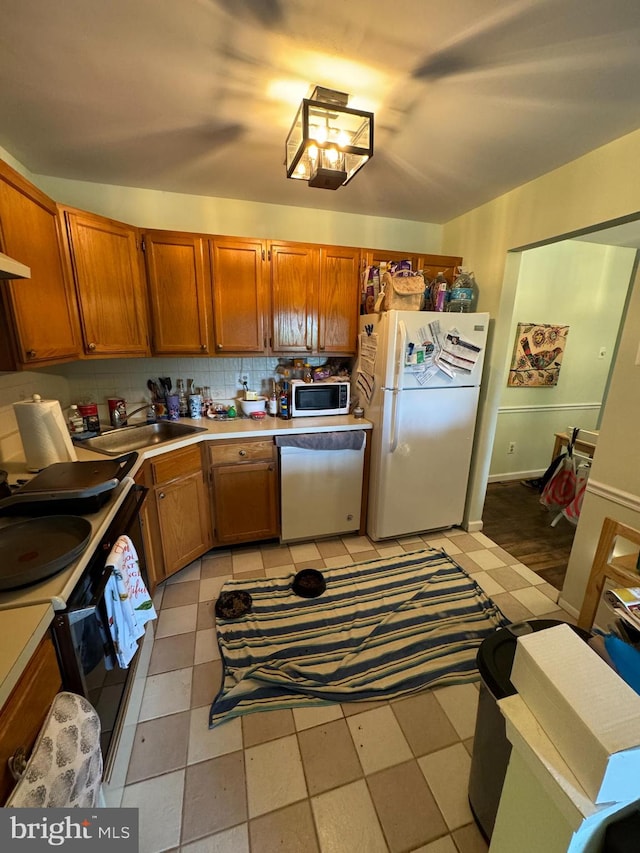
column 582, row 285
column 230, row 217
column 614, row 484
column 596, row 189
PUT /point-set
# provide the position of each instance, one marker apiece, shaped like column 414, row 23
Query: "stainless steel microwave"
column 312, row 399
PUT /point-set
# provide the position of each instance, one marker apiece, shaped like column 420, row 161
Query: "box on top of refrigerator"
column 591, row 715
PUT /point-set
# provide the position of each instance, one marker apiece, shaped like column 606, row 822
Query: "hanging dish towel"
column 128, row 603
column 65, row 766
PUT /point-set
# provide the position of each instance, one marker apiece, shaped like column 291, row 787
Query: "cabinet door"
column 245, row 502
column 339, row 300
column 183, row 515
column 109, row 284
column 431, row 265
column 374, row 257
column 39, row 323
column 150, row 528
column 26, row 709
column 295, row 271
column 239, row 295
column 179, row 293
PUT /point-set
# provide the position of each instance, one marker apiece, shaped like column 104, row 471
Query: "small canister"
column 173, row 407
column 89, row 414
column 195, row 405
column 117, row 411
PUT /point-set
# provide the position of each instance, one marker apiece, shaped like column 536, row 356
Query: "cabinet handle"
column 203, row 347
column 219, row 346
column 17, row 763
column 270, row 468
column 162, row 496
column 91, row 347
column 242, row 453
column 309, row 347
column 31, row 353
column 263, row 255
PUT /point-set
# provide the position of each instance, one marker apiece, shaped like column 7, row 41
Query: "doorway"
column 583, row 282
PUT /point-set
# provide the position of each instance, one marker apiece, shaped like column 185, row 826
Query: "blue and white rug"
column 382, row 629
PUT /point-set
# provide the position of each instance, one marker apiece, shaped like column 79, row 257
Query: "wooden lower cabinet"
column 175, row 518
column 244, row 490
column 26, row 709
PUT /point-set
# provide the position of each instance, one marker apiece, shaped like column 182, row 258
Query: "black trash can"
column 491, row 749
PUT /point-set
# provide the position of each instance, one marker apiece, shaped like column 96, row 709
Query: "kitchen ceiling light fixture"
column 328, row 142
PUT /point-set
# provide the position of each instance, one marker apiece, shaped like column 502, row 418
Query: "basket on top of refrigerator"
column 403, row 287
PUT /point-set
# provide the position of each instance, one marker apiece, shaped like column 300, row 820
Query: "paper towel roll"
column 44, row 433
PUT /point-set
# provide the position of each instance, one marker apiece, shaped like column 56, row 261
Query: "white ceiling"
column 472, row 97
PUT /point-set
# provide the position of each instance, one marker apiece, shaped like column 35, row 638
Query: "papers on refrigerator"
column 368, row 347
column 450, row 353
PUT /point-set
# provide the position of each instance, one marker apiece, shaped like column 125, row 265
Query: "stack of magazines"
column 626, row 605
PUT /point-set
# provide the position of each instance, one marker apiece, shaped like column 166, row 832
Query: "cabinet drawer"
column 240, row 451
column 26, row 709
column 175, row 464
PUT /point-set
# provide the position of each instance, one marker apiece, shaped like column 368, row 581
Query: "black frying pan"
column 33, row 550
column 74, row 487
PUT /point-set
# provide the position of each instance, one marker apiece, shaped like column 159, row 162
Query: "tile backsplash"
column 126, row 377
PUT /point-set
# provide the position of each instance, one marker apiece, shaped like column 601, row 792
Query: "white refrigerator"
column 418, row 378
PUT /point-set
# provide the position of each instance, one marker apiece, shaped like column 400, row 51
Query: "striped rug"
column 383, row 628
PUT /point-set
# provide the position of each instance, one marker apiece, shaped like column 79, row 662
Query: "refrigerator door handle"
column 398, row 379
column 395, row 416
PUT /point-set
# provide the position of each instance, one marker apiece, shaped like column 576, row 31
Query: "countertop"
column 243, row 428
column 26, row 614
column 22, row 630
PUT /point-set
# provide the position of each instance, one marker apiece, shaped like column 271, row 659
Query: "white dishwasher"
column 320, row 484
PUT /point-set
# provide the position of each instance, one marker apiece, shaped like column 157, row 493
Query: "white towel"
column 65, row 766
column 128, row 603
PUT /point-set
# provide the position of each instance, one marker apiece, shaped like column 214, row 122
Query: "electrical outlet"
column 511, row 447
column 244, row 378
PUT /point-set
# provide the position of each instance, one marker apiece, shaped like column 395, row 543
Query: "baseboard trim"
column 617, row 496
column 549, row 407
column 515, row 475
column 473, row 527
column 568, row 607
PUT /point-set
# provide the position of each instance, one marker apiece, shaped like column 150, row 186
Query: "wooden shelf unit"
column 622, row 569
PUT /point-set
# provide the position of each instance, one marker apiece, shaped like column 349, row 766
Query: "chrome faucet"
column 120, row 420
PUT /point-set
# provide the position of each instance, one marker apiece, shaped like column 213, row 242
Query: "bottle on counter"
column 273, row 400
column 183, row 402
column 307, row 375
column 285, row 408
column 76, row 424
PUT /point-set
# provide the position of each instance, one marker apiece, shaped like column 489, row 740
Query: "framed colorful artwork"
column 537, row 355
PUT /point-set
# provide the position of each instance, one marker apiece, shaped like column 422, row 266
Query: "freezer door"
column 402, row 328
column 421, row 455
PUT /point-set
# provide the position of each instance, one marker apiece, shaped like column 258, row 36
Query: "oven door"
column 83, row 644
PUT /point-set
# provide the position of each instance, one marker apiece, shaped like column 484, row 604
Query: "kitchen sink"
column 125, row 439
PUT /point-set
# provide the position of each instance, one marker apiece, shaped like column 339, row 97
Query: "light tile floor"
column 374, row 776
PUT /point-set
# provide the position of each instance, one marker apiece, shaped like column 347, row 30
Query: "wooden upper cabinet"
column 430, row 265
column 179, row 293
column 295, row 273
column 39, row 323
column 240, row 299
column 339, row 300
column 110, row 286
